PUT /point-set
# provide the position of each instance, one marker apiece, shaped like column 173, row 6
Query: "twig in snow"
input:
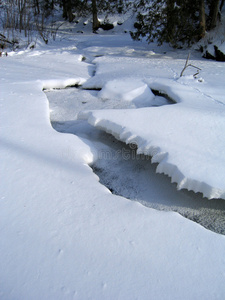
column 189, row 65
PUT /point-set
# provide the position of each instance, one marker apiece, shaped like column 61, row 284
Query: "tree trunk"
column 171, row 21
column 214, row 13
column 36, row 7
column 64, row 9
column 96, row 23
column 67, row 10
column 221, row 5
column 202, row 20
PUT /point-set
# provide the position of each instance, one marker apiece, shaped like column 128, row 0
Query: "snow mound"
column 131, row 90
column 114, row 68
column 185, row 139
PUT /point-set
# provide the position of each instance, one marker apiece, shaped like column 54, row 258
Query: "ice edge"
column 158, row 156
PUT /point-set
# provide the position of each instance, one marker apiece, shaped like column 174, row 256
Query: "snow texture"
column 134, row 91
column 64, row 235
column 186, row 139
column 121, row 169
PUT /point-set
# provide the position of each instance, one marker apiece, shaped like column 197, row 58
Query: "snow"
column 129, row 90
column 192, row 158
column 222, row 47
column 118, row 166
column 183, row 138
column 63, row 234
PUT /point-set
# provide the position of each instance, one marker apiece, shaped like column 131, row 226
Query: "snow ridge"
column 158, row 156
column 191, row 157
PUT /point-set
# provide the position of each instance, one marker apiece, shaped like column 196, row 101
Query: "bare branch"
column 186, row 64
column 189, row 65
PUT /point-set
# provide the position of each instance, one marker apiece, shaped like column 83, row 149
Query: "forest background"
column 177, row 22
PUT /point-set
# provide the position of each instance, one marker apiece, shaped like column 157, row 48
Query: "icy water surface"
column 124, row 172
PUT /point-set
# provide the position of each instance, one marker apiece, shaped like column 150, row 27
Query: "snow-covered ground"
column 119, row 167
column 63, row 235
column 184, row 138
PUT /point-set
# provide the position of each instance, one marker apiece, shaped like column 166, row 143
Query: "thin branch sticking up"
column 189, row 65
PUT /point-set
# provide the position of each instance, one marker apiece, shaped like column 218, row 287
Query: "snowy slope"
column 65, row 236
column 186, row 139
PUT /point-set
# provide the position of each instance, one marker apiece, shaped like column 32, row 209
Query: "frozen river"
column 121, row 170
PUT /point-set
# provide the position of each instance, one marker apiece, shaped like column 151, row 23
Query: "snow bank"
column 131, row 90
column 113, row 68
column 65, row 236
column 186, row 139
column 43, row 65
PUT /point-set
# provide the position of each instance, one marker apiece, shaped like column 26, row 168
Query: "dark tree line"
column 30, row 15
column 177, row 22
column 24, row 15
column 94, row 7
column 173, row 21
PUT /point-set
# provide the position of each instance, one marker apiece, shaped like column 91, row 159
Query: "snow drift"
column 63, row 235
column 186, row 139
